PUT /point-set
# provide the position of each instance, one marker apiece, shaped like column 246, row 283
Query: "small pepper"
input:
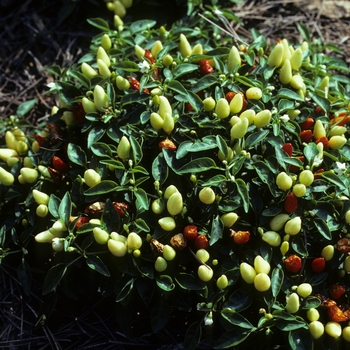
column 318, row 265
column 290, row 203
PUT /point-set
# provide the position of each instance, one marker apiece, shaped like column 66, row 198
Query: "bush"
column 200, row 183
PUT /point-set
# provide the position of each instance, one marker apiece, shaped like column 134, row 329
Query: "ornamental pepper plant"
column 190, row 177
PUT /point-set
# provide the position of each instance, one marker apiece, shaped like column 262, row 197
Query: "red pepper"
column 342, row 119
column 307, row 124
column 229, row 96
column 316, row 174
column 205, row 68
column 324, row 140
column 55, row 175
column 59, row 165
column 190, row 232
column 319, row 111
column 135, row 85
column 240, row 237
column 167, row 144
column 306, row 136
column 201, row 242
column 121, row 208
column 293, row 263
column 288, row 148
column 295, row 169
column 149, row 56
column 318, row 265
column 40, row 139
column 291, row 203
column 336, row 290
column 79, row 112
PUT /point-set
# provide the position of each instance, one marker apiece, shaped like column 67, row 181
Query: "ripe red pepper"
column 293, row 263
column 59, row 165
column 319, row 111
column 135, row 85
column 121, row 208
column 316, row 174
column 342, row 119
column 149, row 56
column 81, row 221
column 307, row 124
column 336, row 291
column 188, row 107
column 306, row 136
column 240, row 237
column 288, row 148
column 205, row 68
column 79, row 112
column 324, row 140
column 295, row 169
column 167, row 144
column 190, row 232
column 229, row 96
column 290, row 203
column 40, row 139
column 201, row 242
column 318, row 265
column 55, row 175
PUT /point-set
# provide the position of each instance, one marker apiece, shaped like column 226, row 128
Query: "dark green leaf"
column 134, row 97
column 141, row 25
column 65, row 209
column 96, row 264
column 289, row 94
column 141, row 199
column 105, row 186
column 24, row 275
column 311, row 302
column 236, row 319
column 217, row 229
column 142, row 225
column 231, row 338
column 95, row 134
column 101, row 149
column 300, row 339
column 204, row 83
column 25, row 107
column 136, row 150
column 128, row 66
column 54, row 203
column 54, row 277
column 165, row 283
column 310, row 152
column 222, row 145
column 99, row 23
column 290, row 325
column 193, row 336
column 238, row 301
column 160, row 169
column 110, row 217
column 277, row 278
column 255, row 138
column 320, row 101
column 243, row 192
column 197, row 166
column 184, row 68
column 76, row 154
column 189, row 282
column 125, row 291
column 322, row 228
column 85, row 81
column 160, row 314
column 333, row 178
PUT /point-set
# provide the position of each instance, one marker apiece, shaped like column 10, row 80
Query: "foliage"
column 92, row 189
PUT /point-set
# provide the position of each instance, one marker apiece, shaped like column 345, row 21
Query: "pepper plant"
column 190, row 176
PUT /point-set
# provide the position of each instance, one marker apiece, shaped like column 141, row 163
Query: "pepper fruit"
column 59, row 165
column 318, row 265
column 306, row 136
column 184, row 46
column 240, row 237
column 290, row 203
column 293, row 263
column 288, row 148
column 190, row 232
column 168, row 144
column 234, row 59
column 201, row 242
column 307, row 124
column 336, row 291
column 205, row 68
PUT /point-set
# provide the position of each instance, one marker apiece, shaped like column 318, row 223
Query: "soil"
column 36, row 34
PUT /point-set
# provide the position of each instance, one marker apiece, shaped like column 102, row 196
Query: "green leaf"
column 311, row 302
column 197, row 166
column 244, row 193
column 128, row 66
column 165, row 283
column 320, row 101
column 96, row 264
column 65, row 209
column 266, row 176
column 25, row 107
column 125, row 290
column 222, row 145
column 110, row 217
column 76, row 155
column 289, row 94
column 95, row 134
column 238, row 301
column 136, row 150
column 141, row 25
column 236, row 319
column 101, row 149
column 300, row 339
column 322, row 228
column 310, row 152
column 231, row 338
column 217, row 229
column 277, row 278
column 203, row 83
column 304, row 31
column 54, row 277
column 24, row 275
column 134, row 97
column 334, row 179
column 105, row 186
column 189, row 282
column 141, row 200
column 184, row 68
column 142, row 225
column 160, row 314
column 54, row 203
column 80, row 77
column 193, row 336
column 160, row 169
column 255, row 138
column 99, row 23
column 290, row 325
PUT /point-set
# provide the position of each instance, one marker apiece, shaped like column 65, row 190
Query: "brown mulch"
column 31, row 38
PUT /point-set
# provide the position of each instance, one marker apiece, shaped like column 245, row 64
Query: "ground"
column 36, row 34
